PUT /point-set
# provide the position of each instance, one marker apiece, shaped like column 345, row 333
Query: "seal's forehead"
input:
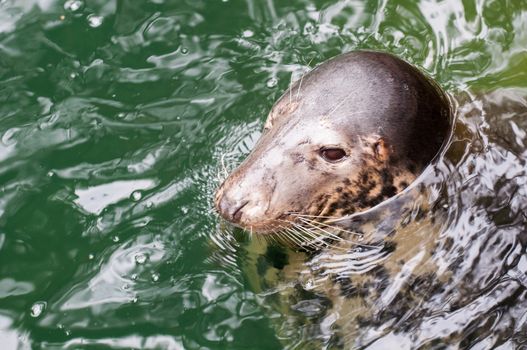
column 348, row 86
column 320, row 130
column 360, row 92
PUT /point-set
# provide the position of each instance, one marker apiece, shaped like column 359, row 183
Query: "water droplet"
column 97, row 123
column 50, row 173
column 247, row 33
column 73, row 75
column 94, row 21
column 134, row 300
column 155, row 277
column 121, row 115
column 149, row 205
column 91, row 256
column 73, row 5
column 184, row 50
column 115, row 239
column 136, row 196
column 38, row 308
column 134, row 277
column 140, row 258
column 271, row 83
column 125, row 286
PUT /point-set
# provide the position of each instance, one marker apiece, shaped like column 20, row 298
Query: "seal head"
column 350, row 134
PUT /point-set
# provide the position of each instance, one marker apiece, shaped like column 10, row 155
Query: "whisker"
column 308, row 233
column 337, row 237
column 313, row 216
column 320, row 240
column 312, row 224
column 295, row 237
column 302, row 79
column 291, row 90
column 224, row 168
column 338, row 228
column 288, row 240
column 315, row 239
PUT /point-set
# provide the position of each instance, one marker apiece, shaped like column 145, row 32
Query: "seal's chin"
column 268, row 226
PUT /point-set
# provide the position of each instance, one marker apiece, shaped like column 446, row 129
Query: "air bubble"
column 73, row 5
column 115, row 239
column 94, row 21
column 155, row 277
column 38, row 308
column 184, row 50
column 140, row 259
column 136, row 196
column 271, row 83
column 91, row 256
column 247, row 33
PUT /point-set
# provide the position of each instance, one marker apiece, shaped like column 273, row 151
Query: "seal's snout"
column 239, row 202
column 230, row 210
column 228, row 206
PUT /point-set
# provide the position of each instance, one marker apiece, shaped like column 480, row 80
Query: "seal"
column 353, row 132
column 399, row 262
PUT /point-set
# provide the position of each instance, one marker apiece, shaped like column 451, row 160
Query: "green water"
column 114, row 116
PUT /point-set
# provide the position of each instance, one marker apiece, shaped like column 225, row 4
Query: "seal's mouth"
column 248, row 210
column 239, row 215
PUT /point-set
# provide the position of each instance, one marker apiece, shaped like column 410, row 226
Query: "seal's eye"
column 332, row 154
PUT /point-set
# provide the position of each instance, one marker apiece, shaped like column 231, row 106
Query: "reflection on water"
column 118, row 117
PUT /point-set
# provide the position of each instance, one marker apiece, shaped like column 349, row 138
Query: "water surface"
column 115, row 116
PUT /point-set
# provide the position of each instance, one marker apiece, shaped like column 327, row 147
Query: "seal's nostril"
column 229, row 209
column 237, row 214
